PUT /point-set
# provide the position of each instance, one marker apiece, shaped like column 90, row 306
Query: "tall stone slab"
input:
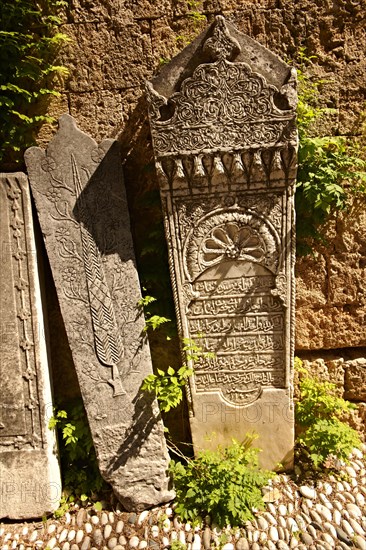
column 30, row 483
column 81, row 202
column 222, row 116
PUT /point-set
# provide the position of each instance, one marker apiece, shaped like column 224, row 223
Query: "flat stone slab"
column 30, row 483
column 222, row 116
column 81, row 203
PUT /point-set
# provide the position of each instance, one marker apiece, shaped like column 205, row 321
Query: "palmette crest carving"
column 230, row 236
column 223, row 105
column 225, row 141
column 221, row 45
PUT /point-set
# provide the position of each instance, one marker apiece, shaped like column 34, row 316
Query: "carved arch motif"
column 223, row 104
column 236, row 235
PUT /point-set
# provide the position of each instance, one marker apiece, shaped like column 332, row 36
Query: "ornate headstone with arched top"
column 222, row 116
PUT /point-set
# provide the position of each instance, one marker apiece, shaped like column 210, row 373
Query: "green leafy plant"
column 196, row 18
column 330, row 436
column 151, row 321
column 331, row 169
column 193, row 351
column 168, row 385
column 163, row 61
column 65, row 502
column 194, row 13
column 81, row 476
column 29, row 42
column 226, row 484
column 319, row 412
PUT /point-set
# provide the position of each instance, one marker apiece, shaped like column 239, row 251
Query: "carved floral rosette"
column 225, row 145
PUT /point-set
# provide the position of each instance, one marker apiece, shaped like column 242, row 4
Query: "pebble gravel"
column 316, row 514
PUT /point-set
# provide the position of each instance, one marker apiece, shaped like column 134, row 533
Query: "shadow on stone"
column 143, row 422
column 100, row 204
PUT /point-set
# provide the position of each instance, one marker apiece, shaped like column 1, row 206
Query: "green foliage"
column 81, row 476
column 29, row 41
column 98, row 507
column 226, row 484
column 151, row 321
column 330, row 170
column 194, row 351
column 194, row 6
column 68, row 499
column 330, row 436
column 177, row 545
column 196, row 17
column 168, row 386
column 154, row 321
column 319, row 400
column 163, row 61
column 64, row 506
column 320, row 411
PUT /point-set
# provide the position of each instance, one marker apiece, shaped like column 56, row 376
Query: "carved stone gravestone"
column 81, row 203
column 30, row 483
column 222, row 116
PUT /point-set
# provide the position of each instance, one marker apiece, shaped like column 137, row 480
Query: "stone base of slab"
column 30, row 485
column 217, row 423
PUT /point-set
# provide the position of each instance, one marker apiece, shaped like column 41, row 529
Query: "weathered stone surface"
column 81, row 203
column 358, row 419
column 225, row 155
column 111, row 110
column 311, row 282
column 355, row 380
column 331, row 303
column 168, row 39
column 330, row 327
column 89, row 72
column 30, row 483
column 118, row 10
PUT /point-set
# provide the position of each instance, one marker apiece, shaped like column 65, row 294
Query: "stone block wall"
column 119, row 44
